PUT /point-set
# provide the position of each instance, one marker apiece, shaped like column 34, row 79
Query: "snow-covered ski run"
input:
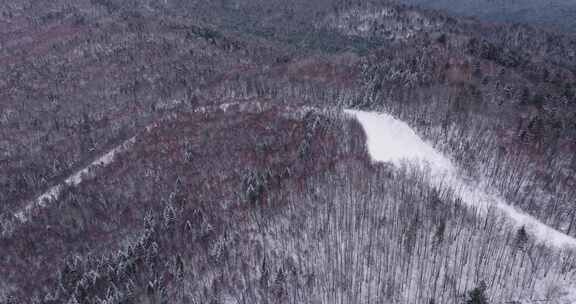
column 393, row 141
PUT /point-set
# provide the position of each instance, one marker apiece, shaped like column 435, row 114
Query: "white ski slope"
column 391, row 140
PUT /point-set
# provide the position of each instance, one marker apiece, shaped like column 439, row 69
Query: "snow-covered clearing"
column 391, row 140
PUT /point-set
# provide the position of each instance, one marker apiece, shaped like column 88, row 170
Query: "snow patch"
column 391, row 140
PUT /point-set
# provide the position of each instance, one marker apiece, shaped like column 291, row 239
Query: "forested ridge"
column 240, row 179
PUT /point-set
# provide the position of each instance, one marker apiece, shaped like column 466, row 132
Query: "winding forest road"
column 53, row 193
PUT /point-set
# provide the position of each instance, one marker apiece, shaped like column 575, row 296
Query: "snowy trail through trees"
column 54, row 192
column 391, row 140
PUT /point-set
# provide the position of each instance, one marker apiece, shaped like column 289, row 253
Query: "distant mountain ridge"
column 557, row 15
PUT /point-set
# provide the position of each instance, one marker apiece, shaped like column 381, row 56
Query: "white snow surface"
column 393, row 141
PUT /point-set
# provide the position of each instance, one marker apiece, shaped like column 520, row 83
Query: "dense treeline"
column 90, row 93
column 214, row 159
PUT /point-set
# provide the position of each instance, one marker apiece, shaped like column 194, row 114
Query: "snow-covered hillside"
column 391, row 140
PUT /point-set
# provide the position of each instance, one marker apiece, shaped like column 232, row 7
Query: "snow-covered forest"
column 267, row 151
